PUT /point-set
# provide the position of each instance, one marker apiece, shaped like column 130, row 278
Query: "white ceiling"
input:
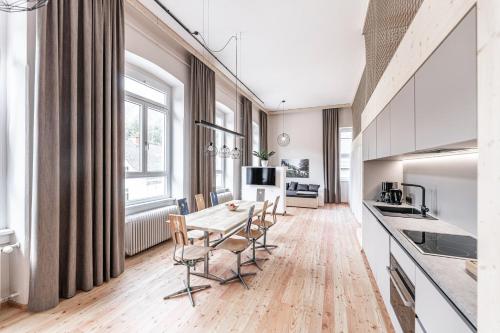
column 310, row 52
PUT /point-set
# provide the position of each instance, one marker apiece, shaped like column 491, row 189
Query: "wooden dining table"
column 220, row 220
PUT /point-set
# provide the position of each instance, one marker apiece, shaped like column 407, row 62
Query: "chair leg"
column 266, row 246
column 238, row 275
column 254, row 259
column 189, row 290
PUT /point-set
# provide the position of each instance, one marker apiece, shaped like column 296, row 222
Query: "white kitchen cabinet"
column 376, row 247
column 384, row 133
column 434, row 312
column 370, row 142
column 446, row 90
column 403, row 120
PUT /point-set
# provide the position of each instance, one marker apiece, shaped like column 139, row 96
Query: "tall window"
column 146, row 142
column 255, row 142
column 220, row 140
column 3, row 118
column 345, row 134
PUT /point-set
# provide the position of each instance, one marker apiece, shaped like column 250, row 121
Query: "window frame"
column 147, row 104
column 349, row 155
column 219, row 112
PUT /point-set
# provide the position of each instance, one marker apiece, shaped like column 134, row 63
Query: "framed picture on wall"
column 296, row 168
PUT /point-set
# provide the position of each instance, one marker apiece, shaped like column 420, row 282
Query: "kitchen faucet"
column 423, row 208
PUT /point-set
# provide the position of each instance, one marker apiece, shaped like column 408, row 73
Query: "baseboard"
column 14, row 304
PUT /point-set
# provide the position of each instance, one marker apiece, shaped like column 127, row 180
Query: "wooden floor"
column 315, row 281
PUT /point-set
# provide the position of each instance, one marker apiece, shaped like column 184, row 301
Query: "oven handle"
column 400, row 288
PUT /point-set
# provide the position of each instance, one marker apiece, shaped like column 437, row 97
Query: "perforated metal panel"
column 385, row 25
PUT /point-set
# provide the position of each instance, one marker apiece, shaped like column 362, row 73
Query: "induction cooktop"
column 446, row 245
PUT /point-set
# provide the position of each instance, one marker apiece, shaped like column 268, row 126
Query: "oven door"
column 402, row 294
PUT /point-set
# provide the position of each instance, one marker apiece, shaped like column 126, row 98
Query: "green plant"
column 263, row 155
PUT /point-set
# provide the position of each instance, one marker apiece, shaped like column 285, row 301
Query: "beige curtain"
column 331, row 165
column 246, row 126
column 202, row 93
column 263, row 130
column 78, row 173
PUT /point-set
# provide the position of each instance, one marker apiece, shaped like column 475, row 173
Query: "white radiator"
column 5, row 254
column 146, row 229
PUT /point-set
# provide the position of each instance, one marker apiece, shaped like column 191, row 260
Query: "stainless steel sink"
column 408, row 212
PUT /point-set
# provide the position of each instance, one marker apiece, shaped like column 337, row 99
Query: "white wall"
column 451, row 187
column 305, row 127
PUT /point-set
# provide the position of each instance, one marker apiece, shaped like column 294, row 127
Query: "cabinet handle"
column 400, row 288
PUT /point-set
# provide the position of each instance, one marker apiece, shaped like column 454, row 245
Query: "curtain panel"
column 263, row 130
column 246, row 125
column 331, row 163
column 77, row 227
column 202, row 96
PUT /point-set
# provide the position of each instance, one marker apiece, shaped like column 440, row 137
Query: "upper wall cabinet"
column 370, row 142
column 445, row 90
column 384, row 132
column 403, row 120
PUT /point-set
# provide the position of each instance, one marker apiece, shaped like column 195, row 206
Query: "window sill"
column 149, row 205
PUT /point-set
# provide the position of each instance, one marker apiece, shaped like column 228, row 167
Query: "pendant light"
column 15, row 6
column 283, row 138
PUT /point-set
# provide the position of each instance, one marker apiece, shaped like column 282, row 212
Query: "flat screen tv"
column 261, row 176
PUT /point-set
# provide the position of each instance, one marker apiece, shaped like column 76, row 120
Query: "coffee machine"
column 390, row 193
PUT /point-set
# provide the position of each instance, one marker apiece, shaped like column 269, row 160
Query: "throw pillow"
column 293, row 186
column 302, row 187
column 313, row 187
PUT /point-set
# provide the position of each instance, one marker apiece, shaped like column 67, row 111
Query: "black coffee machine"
column 391, row 194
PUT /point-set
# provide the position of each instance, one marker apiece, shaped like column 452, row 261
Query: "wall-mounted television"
column 261, row 176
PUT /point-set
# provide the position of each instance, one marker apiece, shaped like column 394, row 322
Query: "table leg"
column 206, row 274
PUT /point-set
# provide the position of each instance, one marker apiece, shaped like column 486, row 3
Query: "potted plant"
column 263, row 156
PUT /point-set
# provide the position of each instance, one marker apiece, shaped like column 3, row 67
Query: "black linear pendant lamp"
column 15, row 6
column 283, row 138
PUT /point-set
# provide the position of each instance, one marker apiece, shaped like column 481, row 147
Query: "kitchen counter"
column 448, row 274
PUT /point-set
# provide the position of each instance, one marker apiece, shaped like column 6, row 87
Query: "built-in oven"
column 402, row 293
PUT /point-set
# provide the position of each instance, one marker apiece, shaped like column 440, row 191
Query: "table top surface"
column 220, row 219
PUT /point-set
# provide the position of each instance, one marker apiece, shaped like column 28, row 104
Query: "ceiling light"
column 283, row 138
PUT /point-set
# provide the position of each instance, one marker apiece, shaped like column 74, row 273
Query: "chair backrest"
column 178, row 229
column 183, row 206
column 261, row 194
column 214, row 199
column 200, row 202
column 248, row 226
column 264, row 210
column 276, row 201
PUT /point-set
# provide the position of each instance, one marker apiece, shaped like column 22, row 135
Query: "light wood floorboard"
column 316, row 280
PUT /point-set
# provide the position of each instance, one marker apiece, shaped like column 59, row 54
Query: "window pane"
column 346, row 133
column 145, row 91
column 156, row 140
column 219, row 179
column 144, row 188
column 345, row 174
column 255, row 142
column 345, row 146
column 133, row 141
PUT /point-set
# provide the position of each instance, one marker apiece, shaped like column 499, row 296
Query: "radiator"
column 5, row 254
column 224, row 197
column 146, row 229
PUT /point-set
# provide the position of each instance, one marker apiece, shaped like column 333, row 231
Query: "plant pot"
column 264, row 163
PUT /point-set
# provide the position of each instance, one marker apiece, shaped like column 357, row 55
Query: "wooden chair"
column 200, row 202
column 261, row 194
column 253, row 236
column 236, row 246
column 185, row 254
column 214, row 199
column 265, row 225
column 184, row 210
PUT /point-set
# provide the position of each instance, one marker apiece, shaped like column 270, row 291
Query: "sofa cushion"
column 293, row 186
column 313, row 187
column 287, row 186
column 302, row 187
column 307, row 194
